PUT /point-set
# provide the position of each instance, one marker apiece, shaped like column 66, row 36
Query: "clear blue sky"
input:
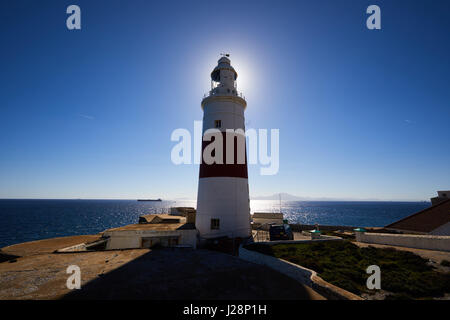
column 89, row 113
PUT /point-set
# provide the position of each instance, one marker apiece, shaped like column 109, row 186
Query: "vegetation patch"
column 445, row 263
column 338, row 234
column 342, row 263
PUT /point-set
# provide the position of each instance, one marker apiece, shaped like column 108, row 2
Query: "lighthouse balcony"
column 223, row 92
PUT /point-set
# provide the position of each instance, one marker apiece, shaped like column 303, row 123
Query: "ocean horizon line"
column 186, row 199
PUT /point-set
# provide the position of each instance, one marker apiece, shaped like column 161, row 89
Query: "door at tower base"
column 221, row 213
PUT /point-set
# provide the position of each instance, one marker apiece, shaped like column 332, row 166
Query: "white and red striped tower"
column 223, row 207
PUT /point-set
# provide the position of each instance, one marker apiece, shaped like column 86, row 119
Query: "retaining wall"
column 301, row 274
column 429, row 242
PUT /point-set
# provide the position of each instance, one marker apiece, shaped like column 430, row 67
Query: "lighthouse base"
column 223, row 208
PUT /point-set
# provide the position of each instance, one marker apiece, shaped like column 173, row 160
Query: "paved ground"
column 46, row 245
column 140, row 274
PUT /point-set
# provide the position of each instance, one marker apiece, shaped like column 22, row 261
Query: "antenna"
column 280, row 201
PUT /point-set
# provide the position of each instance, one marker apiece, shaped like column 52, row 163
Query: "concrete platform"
column 162, row 274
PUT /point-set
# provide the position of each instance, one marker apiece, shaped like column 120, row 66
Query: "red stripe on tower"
column 224, row 169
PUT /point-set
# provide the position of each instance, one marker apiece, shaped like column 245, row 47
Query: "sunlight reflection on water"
column 27, row 220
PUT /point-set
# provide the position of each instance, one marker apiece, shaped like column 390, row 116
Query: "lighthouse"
column 223, row 208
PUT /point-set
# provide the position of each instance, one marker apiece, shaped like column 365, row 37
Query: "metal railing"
column 261, row 236
column 213, row 93
column 161, row 210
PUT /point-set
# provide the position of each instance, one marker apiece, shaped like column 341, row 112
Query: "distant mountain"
column 276, row 196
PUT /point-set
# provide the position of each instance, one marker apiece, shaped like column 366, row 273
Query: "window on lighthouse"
column 218, row 123
column 215, row 224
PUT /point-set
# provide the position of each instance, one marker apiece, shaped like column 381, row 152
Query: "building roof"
column 154, row 227
column 159, row 218
column 183, row 210
column 268, row 215
column 46, row 246
column 426, row 220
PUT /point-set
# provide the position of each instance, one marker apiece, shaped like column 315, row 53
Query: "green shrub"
column 344, row 264
column 445, row 263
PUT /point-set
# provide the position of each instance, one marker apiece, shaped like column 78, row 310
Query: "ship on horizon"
column 159, row 199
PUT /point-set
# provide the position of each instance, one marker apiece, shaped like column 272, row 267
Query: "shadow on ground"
column 7, row 257
column 191, row 274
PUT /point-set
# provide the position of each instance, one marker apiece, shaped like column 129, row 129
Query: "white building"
column 223, row 193
column 153, row 230
column 442, row 196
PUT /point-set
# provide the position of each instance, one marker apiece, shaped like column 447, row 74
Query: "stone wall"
column 131, row 239
column 429, row 242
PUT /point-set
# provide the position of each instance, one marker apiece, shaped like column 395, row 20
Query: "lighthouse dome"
column 223, row 64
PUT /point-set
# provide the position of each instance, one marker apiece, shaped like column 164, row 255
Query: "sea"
column 28, row 220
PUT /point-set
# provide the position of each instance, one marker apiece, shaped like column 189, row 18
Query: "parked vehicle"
column 280, row 232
